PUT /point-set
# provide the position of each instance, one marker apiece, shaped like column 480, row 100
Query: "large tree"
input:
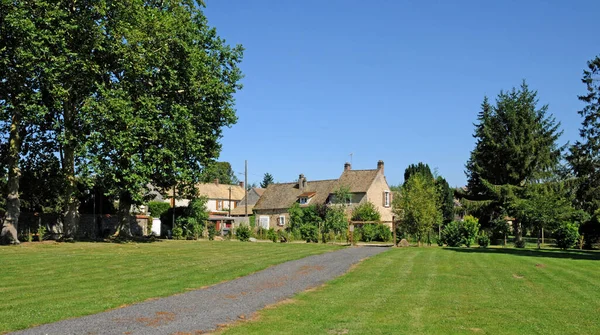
column 21, row 50
column 221, row 171
column 516, row 145
column 160, row 109
column 417, row 206
column 584, row 155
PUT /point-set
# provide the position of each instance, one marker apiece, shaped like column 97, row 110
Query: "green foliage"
column 417, row 206
column 420, row 168
column 335, row 220
column 309, row 233
column 267, row 180
column 366, row 212
column 445, row 199
column 221, row 171
column 368, row 233
column 469, row 229
column 243, row 233
column 483, row 240
column 584, row 156
column 342, row 195
column 528, row 153
column 452, row 234
column 177, row 232
column 212, row 231
column 272, row 235
column 566, row 235
column 158, row 208
column 373, row 232
column 41, row 233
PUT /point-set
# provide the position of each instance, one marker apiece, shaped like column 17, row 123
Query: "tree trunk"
column 71, row 208
column 539, row 238
column 13, row 204
column 124, row 227
column 518, row 231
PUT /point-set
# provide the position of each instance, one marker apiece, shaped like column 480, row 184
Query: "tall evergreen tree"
column 516, row 146
column 417, row 168
column 584, row 155
column 267, row 180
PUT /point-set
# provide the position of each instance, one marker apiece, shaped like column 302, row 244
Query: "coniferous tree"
column 267, row 180
column 516, row 146
column 584, row 155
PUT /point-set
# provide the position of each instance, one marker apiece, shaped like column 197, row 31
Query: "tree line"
column 520, row 179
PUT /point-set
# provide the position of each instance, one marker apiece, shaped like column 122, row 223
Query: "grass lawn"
column 448, row 291
column 42, row 283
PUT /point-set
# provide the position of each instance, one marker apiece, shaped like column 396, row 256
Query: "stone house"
column 271, row 210
column 251, row 198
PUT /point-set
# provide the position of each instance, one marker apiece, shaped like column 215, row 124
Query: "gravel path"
column 205, row 309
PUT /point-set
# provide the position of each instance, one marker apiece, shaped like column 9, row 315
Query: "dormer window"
column 304, row 198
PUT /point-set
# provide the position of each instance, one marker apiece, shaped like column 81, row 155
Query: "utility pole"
column 229, row 201
column 246, row 187
column 173, row 209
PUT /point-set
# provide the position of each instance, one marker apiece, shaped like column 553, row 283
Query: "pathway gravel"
column 203, row 310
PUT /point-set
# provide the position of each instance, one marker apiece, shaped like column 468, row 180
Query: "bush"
column 366, row 212
column 41, row 233
column 177, row 232
column 452, row 234
column 383, row 233
column 368, row 233
column 469, row 229
column 158, row 208
column 483, row 240
column 567, row 235
column 272, row 235
column 243, row 233
column 310, row 233
column 212, row 231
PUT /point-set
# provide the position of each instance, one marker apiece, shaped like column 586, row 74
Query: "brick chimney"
column 347, row 166
column 301, row 182
column 217, row 181
column 380, row 166
column 241, row 184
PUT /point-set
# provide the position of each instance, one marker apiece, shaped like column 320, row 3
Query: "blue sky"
column 400, row 81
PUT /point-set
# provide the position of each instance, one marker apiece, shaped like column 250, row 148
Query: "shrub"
column 272, row 235
column 41, row 233
column 212, row 231
column 452, row 234
column 567, row 235
column 310, row 233
column 368, row 233
column 366, row 212
column 177, row 232
column 483, row 240
column 243, row 233
column 383, row 233
column 158, row 208
column 469, row 230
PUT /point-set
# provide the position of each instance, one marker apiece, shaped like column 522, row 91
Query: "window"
column 281, row 221
column 219, row 205
column 386, row 198
column 303, row 200
column 264, row 221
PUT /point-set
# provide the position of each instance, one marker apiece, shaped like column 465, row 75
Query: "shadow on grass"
column 548, row 253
